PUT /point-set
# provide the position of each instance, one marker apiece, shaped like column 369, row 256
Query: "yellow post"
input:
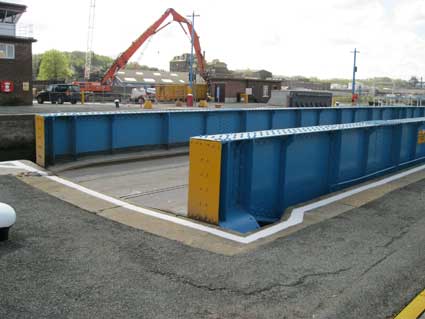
column 82, row 97
column 147, row 104
column 40, row 149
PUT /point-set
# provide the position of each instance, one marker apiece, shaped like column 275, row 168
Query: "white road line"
column 8, row 166
column 296, row 217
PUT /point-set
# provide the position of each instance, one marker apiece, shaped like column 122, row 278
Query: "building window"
column 7, row 51
column 265, row 90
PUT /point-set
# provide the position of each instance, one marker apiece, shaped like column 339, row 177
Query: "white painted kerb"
column 296, row 217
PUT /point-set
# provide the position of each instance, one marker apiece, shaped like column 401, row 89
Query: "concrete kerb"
column 209, row 237
column 120, row 158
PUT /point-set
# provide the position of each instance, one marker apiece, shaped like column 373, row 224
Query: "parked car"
column 60, row 93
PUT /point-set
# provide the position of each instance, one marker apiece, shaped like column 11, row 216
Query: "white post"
column 7, row 219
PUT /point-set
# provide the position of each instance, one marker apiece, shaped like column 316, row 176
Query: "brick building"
column 15, row 57
column 227, row 89
column 181, row 63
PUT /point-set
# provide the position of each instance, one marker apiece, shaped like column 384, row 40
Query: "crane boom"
column 123, row 59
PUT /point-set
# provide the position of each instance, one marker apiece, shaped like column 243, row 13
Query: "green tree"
column 36, row 59
column 54, row 66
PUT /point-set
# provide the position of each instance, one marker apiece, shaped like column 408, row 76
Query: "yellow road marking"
column 414, row 309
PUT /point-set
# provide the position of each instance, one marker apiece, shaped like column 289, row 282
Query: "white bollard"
column 7, row 219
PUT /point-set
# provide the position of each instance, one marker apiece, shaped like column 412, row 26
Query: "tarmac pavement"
column 64, row 262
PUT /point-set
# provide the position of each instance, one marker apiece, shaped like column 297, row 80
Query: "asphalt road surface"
column 64, row 262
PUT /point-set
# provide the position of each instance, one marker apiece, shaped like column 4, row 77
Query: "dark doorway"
column 219, row 93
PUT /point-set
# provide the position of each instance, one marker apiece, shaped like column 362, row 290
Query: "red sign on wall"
column 6, row 86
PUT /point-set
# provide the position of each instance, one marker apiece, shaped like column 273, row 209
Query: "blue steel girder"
column 71, row 135
column 263, row 173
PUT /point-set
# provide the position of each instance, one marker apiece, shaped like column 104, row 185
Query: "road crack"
column 379, row 261
column 395, row 238
column 247, row 292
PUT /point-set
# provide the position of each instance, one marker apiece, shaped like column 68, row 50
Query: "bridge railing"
column 242, row 181
column 71, row 135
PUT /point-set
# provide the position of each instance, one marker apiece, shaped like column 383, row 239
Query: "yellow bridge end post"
column 204, row 180
column 40, row 144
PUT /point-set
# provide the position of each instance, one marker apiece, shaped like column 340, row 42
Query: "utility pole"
column 353, row 88
column 191, row 49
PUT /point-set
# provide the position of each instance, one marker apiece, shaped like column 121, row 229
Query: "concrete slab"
column 120, row 158
column 158, row 183
column 172, row 231
column 67, row 194
column 182, row 233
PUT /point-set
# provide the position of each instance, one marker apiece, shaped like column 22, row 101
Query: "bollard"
column 189, row 100
column 117, row 103
column 7, row 219
column 203, row 103
column 147, row 104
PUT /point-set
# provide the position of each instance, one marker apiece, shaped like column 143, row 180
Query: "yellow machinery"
column 179, row 92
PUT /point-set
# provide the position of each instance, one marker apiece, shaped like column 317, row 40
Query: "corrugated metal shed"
column 152, row 78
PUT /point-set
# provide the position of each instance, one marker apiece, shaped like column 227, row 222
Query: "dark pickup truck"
column 60, row 93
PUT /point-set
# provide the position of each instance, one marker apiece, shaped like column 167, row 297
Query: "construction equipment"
column 105, row 85
column 179, row 92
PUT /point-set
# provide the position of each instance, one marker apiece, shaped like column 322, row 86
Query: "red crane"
column 105, row 85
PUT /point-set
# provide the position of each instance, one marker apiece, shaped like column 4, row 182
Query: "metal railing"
column 17, row 30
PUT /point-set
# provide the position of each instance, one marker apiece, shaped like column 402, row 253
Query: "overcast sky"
column 297, row 37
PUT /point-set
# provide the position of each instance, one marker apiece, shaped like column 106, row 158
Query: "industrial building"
column 257, row 74
column 181, row 63
column 229, row 90
column 15, row 57
column 170, row 86
column 137, row 78
column 303, row 84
